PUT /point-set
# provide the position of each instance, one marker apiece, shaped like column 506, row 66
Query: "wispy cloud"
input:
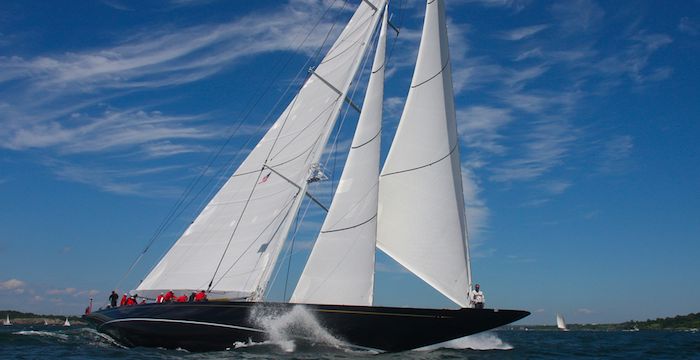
column 479, row 127
column 516, row 5
column 688, row 26
column 66, row 291
column 12, row 284
column 544, row 148
column 578, row 16
column 522, row 32
column 615, row 153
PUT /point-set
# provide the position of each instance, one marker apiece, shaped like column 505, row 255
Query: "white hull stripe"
column 185, row 322
column 223, row 326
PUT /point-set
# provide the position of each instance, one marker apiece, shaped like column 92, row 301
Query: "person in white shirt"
column 476, row 298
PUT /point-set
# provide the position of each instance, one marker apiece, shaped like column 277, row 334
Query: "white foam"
column 42, row 333
column 108, row 339
column 284, row 328
column 482, row 341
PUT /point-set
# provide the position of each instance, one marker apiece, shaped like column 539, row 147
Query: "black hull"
column 218, row 325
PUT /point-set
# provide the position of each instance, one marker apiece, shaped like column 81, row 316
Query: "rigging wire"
column 179, row 208
column 272, row 148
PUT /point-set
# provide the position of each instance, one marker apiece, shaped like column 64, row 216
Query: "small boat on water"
column 7, row 322
column 561, row 325
column 66, row 323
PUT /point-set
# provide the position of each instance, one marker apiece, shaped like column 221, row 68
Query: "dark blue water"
column 39, row 342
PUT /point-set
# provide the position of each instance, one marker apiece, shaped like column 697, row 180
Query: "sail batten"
column 235, row 241
column 421, row 220
column 340, row 269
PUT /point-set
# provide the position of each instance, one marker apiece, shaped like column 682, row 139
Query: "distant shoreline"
column 22, row 318
column 690, row 322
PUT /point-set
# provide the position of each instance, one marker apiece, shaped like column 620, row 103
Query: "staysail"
column 421, row 220
column 340, row 269
column 232, row 245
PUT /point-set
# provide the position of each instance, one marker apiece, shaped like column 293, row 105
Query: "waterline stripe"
column 185, row 322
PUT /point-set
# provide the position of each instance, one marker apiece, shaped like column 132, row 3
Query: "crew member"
column 113, row 297
column 201, row 296
column 182, row 298
column 160, row 298
column 169, row 296
column 124, row 300
column 476, row 298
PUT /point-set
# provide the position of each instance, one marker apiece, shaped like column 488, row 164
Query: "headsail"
column 340, row 269
column 421, row 222
column 233, row 244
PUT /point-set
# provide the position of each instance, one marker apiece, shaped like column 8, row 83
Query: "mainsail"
column 340, row 269
column 232, row 246
column 421, row 221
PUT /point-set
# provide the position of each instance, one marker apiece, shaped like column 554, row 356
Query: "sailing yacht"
column 7, row 322
column 561, row 325
column 412, row 210
column 66, row 323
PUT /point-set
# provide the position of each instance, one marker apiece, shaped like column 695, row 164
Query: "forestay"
column 340, row 269
column 231, row 247
column 421, row 222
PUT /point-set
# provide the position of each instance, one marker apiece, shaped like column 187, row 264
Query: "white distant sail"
column 7, row 322
column 421, row 222
column 66, row 323
column 340, row 269
column 233, row 244
column 561, row 325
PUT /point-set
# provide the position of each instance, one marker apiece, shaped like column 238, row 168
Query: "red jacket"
column 182, row 298
column 123, row 301
column 159, row 299
column 169, row 296
column 201, row 296
column 131, row 301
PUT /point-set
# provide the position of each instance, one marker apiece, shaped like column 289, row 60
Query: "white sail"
column 340, row 269
column 561, row 325
column 7, row 322
column 233, row 244
column 66, row 323
column 421, row 222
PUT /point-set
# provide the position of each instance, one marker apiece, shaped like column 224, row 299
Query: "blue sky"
column 579, row 123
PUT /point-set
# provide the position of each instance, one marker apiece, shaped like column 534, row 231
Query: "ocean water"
column 44, row 342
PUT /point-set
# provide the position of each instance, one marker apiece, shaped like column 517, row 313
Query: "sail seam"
column 423, row 166
column 447, row 63
column 349, row 227
column 368, row 141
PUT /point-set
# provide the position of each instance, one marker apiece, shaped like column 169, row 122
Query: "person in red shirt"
column 160, row 298
column 201, row 296
column 182, row 298
column 131, row 301
column 169, row 296
column 124, row 301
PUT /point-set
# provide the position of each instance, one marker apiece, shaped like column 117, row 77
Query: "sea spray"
column 482, row 341
column 285, row 326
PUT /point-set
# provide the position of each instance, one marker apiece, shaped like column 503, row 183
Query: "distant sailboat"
column 7, row 322
column 46, row 323
column 561, row 325
column 66, row 323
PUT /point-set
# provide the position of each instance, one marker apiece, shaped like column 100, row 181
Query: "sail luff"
column 340, row 268
column 250, row 216
column 421, row 220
